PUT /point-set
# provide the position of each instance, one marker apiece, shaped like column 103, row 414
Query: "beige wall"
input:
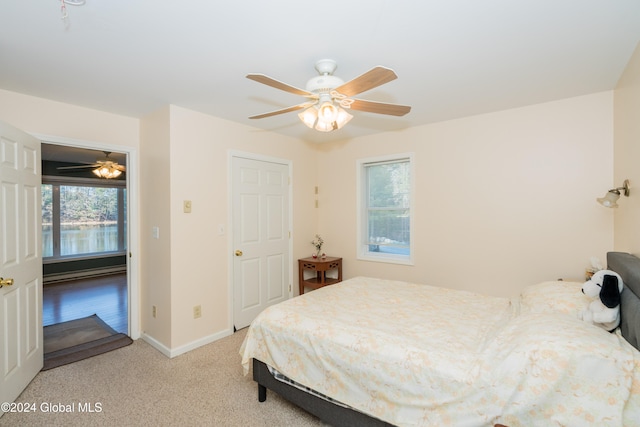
column 193, row 268
column 155, row 198
column 42, row 116
column 503, row 200
column 627, row 156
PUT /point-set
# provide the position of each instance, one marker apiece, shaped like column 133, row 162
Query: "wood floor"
column 105, row 296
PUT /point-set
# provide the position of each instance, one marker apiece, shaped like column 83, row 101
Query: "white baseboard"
column 171, row 353
column 156, row 344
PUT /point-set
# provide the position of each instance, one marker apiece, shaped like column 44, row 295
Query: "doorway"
column 90, row 259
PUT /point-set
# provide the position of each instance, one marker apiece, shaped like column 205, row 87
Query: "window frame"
column 56, row 182
column 362, row 218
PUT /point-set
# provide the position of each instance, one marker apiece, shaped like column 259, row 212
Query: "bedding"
column 555, row 296
column 412, row 354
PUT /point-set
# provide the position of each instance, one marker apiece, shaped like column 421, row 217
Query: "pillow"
column 558, row 296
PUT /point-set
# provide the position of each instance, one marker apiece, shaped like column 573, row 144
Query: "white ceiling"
column 454, row 58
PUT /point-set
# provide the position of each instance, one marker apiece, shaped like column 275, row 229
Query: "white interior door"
column 260, row 209
column 21, row 351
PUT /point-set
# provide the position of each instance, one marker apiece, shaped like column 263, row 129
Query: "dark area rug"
column 69, row 342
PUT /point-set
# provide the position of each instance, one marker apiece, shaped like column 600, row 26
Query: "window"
column 82, row 219
column 385, row 189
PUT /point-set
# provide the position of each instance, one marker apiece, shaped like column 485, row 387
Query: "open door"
column 21, row 352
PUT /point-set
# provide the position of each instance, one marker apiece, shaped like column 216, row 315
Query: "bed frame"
column 328, row 412
column 626, row 265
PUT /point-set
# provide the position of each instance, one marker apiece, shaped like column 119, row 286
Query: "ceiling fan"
column 329, row 95
column 102, row 168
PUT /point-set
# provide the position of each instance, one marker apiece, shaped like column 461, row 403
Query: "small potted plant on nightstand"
column 317, row 243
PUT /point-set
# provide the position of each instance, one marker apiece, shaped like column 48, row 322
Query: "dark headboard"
column 628, row 267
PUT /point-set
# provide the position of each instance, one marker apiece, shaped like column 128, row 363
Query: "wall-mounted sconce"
column 609, row 200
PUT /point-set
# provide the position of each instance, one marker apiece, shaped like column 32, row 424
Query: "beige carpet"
column 138, row 386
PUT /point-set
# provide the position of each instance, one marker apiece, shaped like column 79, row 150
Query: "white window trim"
column 362, row 249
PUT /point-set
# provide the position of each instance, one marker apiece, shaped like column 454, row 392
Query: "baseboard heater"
column 83, row 274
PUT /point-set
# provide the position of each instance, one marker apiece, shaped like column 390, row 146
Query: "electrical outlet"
column 197, row 311
column 154, row 311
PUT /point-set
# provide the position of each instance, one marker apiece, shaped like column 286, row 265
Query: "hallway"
column 105, row 296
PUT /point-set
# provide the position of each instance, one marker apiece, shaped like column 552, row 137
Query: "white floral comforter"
column 417, row 355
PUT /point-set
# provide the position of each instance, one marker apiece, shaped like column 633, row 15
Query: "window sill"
column 389, row 259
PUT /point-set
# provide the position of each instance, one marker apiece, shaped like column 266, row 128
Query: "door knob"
column 5, row 282
column 238, row 253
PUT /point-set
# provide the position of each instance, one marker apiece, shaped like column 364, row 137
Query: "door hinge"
column 289, row 287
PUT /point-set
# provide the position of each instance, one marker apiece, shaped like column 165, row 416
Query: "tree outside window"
column 80, row 220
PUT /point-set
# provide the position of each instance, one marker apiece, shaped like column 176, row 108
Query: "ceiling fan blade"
column 261, row 78
column 380, row 107
column 373, row 78
column 284, row 110
column 77, row 167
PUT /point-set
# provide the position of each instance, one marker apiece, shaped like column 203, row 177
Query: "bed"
column 381, row 352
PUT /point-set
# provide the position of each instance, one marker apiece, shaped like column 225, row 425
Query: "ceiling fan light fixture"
column 327, row 112
column 343, row 118
column 325, row 126
column 106, row 172
column 309, row 117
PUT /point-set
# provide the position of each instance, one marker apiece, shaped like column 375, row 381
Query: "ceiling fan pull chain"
column 63, row 10
column 63, row 7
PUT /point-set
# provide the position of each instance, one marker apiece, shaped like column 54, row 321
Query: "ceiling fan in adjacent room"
column 102, row 168
column 329, row 96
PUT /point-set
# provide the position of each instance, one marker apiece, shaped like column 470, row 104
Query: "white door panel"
column 250, row 285
column 275, row 267
column 21, row 352
column 260, row 209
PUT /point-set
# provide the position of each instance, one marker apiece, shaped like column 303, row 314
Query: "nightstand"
column 319, row 267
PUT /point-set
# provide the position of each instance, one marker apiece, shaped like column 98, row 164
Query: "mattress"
column 413, row 354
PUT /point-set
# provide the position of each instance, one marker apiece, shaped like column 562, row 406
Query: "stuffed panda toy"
column 605, row 287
